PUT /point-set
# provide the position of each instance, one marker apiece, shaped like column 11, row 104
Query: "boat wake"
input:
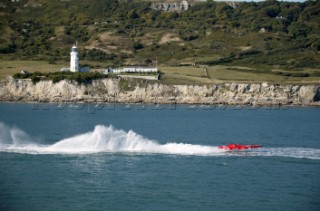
column 110, row 140
column 101, row 139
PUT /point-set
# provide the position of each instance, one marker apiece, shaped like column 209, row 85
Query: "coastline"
column 132, row 91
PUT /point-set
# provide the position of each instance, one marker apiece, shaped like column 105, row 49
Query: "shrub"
column 137, row 46
column 306, row 62
column 300, row 74
column 35, row 79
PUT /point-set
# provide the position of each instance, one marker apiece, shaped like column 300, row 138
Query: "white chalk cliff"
column 111, row 90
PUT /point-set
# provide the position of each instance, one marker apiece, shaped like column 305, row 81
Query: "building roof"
column 140, row 67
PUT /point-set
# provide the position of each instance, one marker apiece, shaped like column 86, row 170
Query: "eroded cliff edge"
column 132, row 91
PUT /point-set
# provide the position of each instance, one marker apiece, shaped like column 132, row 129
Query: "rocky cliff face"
column 132, row 91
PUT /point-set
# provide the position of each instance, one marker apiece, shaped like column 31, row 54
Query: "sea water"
column 158, row 157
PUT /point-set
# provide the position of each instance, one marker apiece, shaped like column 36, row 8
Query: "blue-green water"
column 158, row 158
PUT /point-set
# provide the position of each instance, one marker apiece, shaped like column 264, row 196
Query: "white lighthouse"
column 74, row 59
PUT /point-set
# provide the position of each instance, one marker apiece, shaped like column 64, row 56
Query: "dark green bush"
column 59, row 76
column 35, row 79
column 137, row 46
column 300, row 74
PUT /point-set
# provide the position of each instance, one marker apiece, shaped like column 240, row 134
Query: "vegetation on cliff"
column 59, row 76
column 265, row 33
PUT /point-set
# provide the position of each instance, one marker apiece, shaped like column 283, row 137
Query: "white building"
column 74, row 59
column 140, row 69
column 65, row 69
column 134, row 69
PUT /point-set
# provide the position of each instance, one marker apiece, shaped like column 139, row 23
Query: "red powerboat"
column 239, row 146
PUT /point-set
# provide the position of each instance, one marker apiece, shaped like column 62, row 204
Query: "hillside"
column 270, row 36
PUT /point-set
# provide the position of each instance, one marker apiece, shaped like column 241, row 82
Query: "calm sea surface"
column 133, row 157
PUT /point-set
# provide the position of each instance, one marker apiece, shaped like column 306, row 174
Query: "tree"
column 7, row 48
column 272, row 11
column 132, row 14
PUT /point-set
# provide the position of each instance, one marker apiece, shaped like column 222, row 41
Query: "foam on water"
column 109, row 139
column 294, row 152
column 101, row 139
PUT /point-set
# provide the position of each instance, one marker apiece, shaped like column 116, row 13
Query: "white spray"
column 111, row 140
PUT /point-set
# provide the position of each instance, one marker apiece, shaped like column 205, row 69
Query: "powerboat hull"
column 239, row 146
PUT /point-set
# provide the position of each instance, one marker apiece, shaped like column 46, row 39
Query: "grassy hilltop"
column 270, row 40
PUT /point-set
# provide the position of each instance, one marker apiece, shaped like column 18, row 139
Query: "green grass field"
column 184, row 74
column 231, row 74
column 11, row 67
column 220, row 74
